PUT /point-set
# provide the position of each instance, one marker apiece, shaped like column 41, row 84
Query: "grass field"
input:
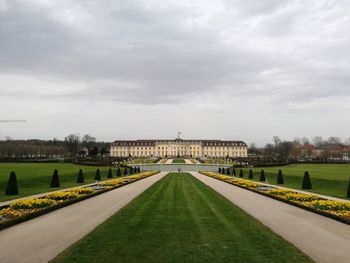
column 178, row 161
column 179, row 219
column 327, row 179
column 36, row 178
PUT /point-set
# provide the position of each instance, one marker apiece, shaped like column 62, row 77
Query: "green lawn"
column 179, row 219
column 35, row 178
column 178, row 161
column 327, row 179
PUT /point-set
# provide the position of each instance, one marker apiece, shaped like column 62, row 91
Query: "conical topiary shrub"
column 241, row 173
column 125, row 171
column 219, row 170
column 307, row 181
column 135, row 170
column 109, row 175
column 139, row 170
column 98, row 175
column 251, row 175
column 280, row 179
column 348, row 193
column 119, row 173
column 131, row 170
column 228, row 172
column 55, row 181
column 12, row 187
column 80, row 178
column 262, row 176
column 233, row 171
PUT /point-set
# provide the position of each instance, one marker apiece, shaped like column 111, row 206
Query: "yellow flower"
column 62, row 195
column 10, row 212
column 331, row 205
column 294, row 196
column 81, row 191
column 32, row 203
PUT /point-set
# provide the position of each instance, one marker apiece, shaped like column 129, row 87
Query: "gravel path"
column 319, row 237
column 42, row 238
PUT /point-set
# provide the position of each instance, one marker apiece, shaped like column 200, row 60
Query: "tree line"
column 72, row 145
column 283, row 151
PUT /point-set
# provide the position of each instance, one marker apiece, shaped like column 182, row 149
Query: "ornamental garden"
column 178, row 217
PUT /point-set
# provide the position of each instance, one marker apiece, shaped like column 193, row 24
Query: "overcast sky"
column 218, row 69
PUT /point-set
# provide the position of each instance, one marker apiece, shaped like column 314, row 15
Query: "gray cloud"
column 281, row 56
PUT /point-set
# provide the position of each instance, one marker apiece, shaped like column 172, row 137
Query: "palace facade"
column 178, row 148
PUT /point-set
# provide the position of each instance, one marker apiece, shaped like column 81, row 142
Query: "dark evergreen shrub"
column 219, row 171
column 138, row 169
column 119, row 173
column 348, row 193
column 307, row 181
column 98, row 175
column 251, row 175
column 262, row 176
column 228, row 172
column 55, row 181
column 241, row 173
column 233, row 171
column 280, row 179
column 125, row 171
column 131, row 170
column 80, row 178
column 110, row 175
column 12, row 187
column 135, row 170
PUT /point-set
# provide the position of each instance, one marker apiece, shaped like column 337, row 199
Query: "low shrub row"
column 21, row 210
column 12, row 185
column 339, row 210
column 305, row 184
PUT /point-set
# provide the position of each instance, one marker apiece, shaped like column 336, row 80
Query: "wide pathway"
column 321, row 238
column 42, row 238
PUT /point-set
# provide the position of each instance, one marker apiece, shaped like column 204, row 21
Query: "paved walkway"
column 188, row 161
column 42, row 238
column 321, row 238
column 169, row 161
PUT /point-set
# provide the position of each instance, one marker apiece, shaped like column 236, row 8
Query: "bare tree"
column 88, row 141
column 305, row 140
column 334, row 140
column 276, row 140
column 347, row 141
column 72, row 142
column 317, row 140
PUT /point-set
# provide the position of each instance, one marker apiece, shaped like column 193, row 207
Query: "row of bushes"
column 339, row 210
column 12, row 185
column 306, row 183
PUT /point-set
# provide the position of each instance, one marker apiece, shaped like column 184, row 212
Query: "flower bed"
column 21, row 210
column 338, row 210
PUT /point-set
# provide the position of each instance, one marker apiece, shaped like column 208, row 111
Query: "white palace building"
column 179, row 148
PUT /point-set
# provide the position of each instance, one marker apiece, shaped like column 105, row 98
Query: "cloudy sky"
column 223, row 69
